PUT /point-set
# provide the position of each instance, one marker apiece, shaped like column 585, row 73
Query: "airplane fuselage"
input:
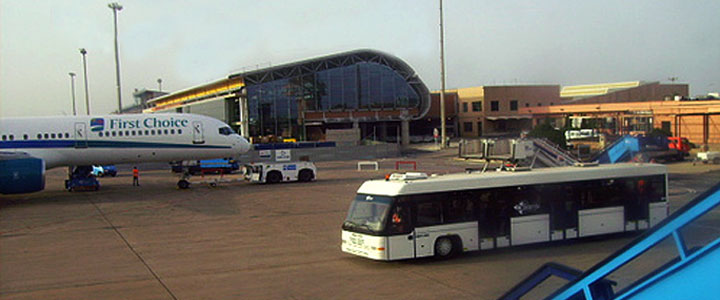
column 115, row 139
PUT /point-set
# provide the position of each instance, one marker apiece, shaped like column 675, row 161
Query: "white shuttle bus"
column 413, row 215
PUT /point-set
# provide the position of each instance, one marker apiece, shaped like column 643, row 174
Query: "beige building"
column 494, row 110
column 628, row 91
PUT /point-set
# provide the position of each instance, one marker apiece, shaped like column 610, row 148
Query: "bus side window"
column 657, row 188
column 458, row 208
column 429, row 213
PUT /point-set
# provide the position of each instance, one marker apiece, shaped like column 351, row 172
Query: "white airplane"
column 29, row 146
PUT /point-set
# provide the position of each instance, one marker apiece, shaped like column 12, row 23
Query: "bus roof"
column 492, row 179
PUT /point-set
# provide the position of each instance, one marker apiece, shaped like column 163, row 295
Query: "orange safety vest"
column 136, row 173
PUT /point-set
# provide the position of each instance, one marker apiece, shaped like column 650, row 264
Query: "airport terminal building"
column 375, row 92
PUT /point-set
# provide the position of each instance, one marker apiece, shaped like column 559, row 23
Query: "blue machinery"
column 693, row 274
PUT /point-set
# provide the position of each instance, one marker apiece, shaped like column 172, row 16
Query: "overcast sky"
column 187, row 43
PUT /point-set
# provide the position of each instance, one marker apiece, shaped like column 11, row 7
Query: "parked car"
column 101, row 171
column 709, row 157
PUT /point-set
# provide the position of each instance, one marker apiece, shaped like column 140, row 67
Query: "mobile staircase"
column 691, row 274
column 623, row 149
column 549, row 154
column 525, row 151
column 642, row 148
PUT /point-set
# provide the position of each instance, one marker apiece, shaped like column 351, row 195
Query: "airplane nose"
column 242, row 145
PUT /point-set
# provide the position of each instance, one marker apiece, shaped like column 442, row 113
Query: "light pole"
column 87, row 93
column 115, row 8
column 442, row 80
column 159, row 84
column 72, row 89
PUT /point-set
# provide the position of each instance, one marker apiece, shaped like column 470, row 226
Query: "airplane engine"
column 21, row 173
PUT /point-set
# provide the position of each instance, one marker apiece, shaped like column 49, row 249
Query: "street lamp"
column 87, row 93
column 115, row 8
column 159, row 81
column 442, row 79
column 72, row 89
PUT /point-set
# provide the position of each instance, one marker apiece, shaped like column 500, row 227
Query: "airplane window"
column 4, row 137
column 127, row 132
column 39, row 136
column 25, row 136
column 59, row 135
column 179, row 131
column 152, row 132
column 12, row 137
column 52, row 135
column 101, row 134
column 172, row 131
column 67, row 135
column 139, row 132
column 133, row 132
column 166, row 131
column 120, row 133
column 147, row 132
column 226, row 131
column 113, row 133
column 107, row 133
column 47, row 136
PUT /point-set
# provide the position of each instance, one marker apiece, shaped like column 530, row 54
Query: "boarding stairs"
column 551, row 155
column 691, row 274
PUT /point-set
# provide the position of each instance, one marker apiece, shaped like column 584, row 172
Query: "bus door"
column 428, row 217
column 80, row 136
column 401, row 241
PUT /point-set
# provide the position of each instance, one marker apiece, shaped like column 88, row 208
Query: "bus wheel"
column 444, row 247
column 274, row 177
column 183, row 184
column 305, row 175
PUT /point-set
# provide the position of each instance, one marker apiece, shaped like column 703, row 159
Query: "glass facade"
column 274, row 106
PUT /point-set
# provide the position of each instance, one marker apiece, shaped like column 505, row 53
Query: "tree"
column 545, row 130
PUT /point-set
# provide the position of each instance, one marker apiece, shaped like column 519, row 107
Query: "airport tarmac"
column 248, row 241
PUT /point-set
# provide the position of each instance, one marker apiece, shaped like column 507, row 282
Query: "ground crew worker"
column 136, row 177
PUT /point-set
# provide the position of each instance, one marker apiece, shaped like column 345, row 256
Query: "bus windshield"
column 368, row 213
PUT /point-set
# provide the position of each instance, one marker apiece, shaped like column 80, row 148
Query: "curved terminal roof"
column 234, row 82
column 321, row 63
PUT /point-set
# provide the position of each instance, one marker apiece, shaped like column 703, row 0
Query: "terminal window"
column 477, row 106
column 513, row 105
column 494, row 106
column 467, row 126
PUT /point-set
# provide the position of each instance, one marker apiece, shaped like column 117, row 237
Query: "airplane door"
column 80, row 136
column 198, row 137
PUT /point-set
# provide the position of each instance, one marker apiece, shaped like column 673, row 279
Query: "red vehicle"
column 680, row 144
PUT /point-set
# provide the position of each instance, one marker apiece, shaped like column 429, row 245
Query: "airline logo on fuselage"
column 98, row 124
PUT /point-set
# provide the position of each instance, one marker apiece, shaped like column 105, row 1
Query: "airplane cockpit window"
column 226, row 131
